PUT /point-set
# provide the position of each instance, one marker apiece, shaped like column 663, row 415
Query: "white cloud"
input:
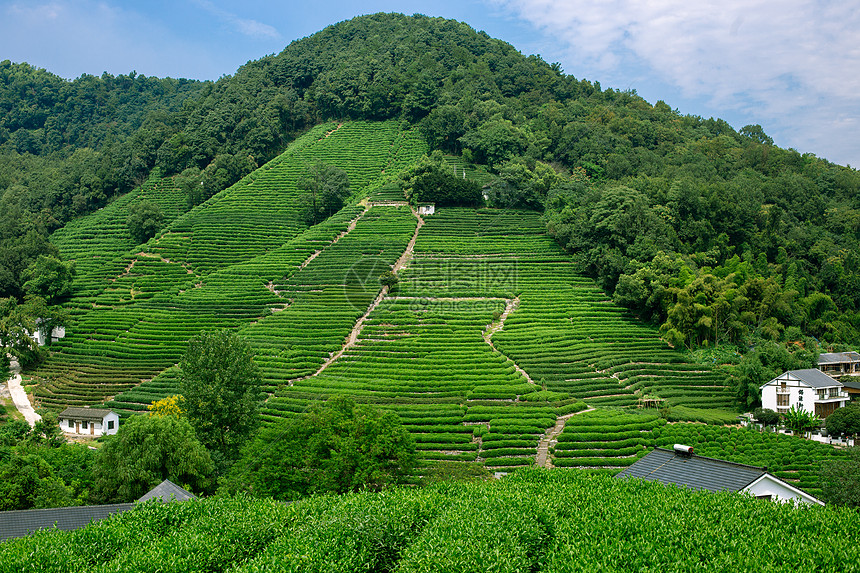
column 245, row 26
column 775, row 59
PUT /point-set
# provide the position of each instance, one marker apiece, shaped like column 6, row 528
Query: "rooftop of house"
column 21, row 522
column 812, row 377
column 694, row 471
column 84, row 413
column 167, row 491
column 838, row 357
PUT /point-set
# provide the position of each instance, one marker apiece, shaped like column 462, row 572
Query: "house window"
column 110, row 424
column 782, row 400
column 821, row 394
column 782, row 385
column 83, row 425
column 71, row 424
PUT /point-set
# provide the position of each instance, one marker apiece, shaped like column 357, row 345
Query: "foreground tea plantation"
column 532, row 521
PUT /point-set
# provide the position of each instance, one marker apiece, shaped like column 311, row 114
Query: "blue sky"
column 792, row 66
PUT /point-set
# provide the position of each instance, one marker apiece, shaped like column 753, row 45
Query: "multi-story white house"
column 811, row 390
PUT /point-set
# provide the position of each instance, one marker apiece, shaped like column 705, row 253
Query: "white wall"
column 99, row 427
column 112, row 417
column 800, row 395
column 779, row 490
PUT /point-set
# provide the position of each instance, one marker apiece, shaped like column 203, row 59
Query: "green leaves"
column 144, row 220
column 49, row 277
column 534, row 520
column 220, row 385
column 431, row 180
column 147, row 450
column 326, row 188
column 336, row 448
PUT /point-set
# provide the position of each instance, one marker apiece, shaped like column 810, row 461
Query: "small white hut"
column 88, row 422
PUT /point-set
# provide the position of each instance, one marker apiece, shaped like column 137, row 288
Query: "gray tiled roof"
column 696, row 472
column 84, row 413
column 838, row 357
column 814, row 377
column 167, row 491
column 20, row 523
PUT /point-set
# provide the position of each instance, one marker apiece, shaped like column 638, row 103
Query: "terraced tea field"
column 489, row 339
column 95, row 240
column 218, row 266
column 489, row 349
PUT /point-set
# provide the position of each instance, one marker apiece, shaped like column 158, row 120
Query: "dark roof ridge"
column 738, row 464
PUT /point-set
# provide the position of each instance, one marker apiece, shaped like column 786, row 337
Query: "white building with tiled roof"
column 680, row 466
column 88, row 421
column 811, row 390
column 839, row 363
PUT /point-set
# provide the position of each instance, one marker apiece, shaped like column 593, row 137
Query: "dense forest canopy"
column 713, row 233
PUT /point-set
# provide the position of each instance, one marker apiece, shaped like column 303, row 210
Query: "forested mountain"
column 713, row 232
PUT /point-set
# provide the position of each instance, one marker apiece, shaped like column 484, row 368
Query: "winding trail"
column 407, row 254
column 542, row 460
column 343, row 234
column 512, row 305
column 19, row 396
column 359, row 324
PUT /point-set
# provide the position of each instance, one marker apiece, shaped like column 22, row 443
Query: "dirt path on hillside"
column 407, row 254
column 512, row 305
column 359, row 324
column 349, row 228
column 19, row 396
column 550, row 438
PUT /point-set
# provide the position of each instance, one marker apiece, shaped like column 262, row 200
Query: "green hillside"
column 490, row 340
column 534, row 521
column 222, row 264
column 491, row 337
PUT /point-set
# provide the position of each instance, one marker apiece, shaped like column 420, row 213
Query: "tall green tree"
column 840, row 479
column 16, row 327
column 844, row 421
column 44, row 317
column 147, row 450
column 49, row 278
column 220, row 386
column 337, row 447
column 431, row 180
column 326, row 189
column 144, row 220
